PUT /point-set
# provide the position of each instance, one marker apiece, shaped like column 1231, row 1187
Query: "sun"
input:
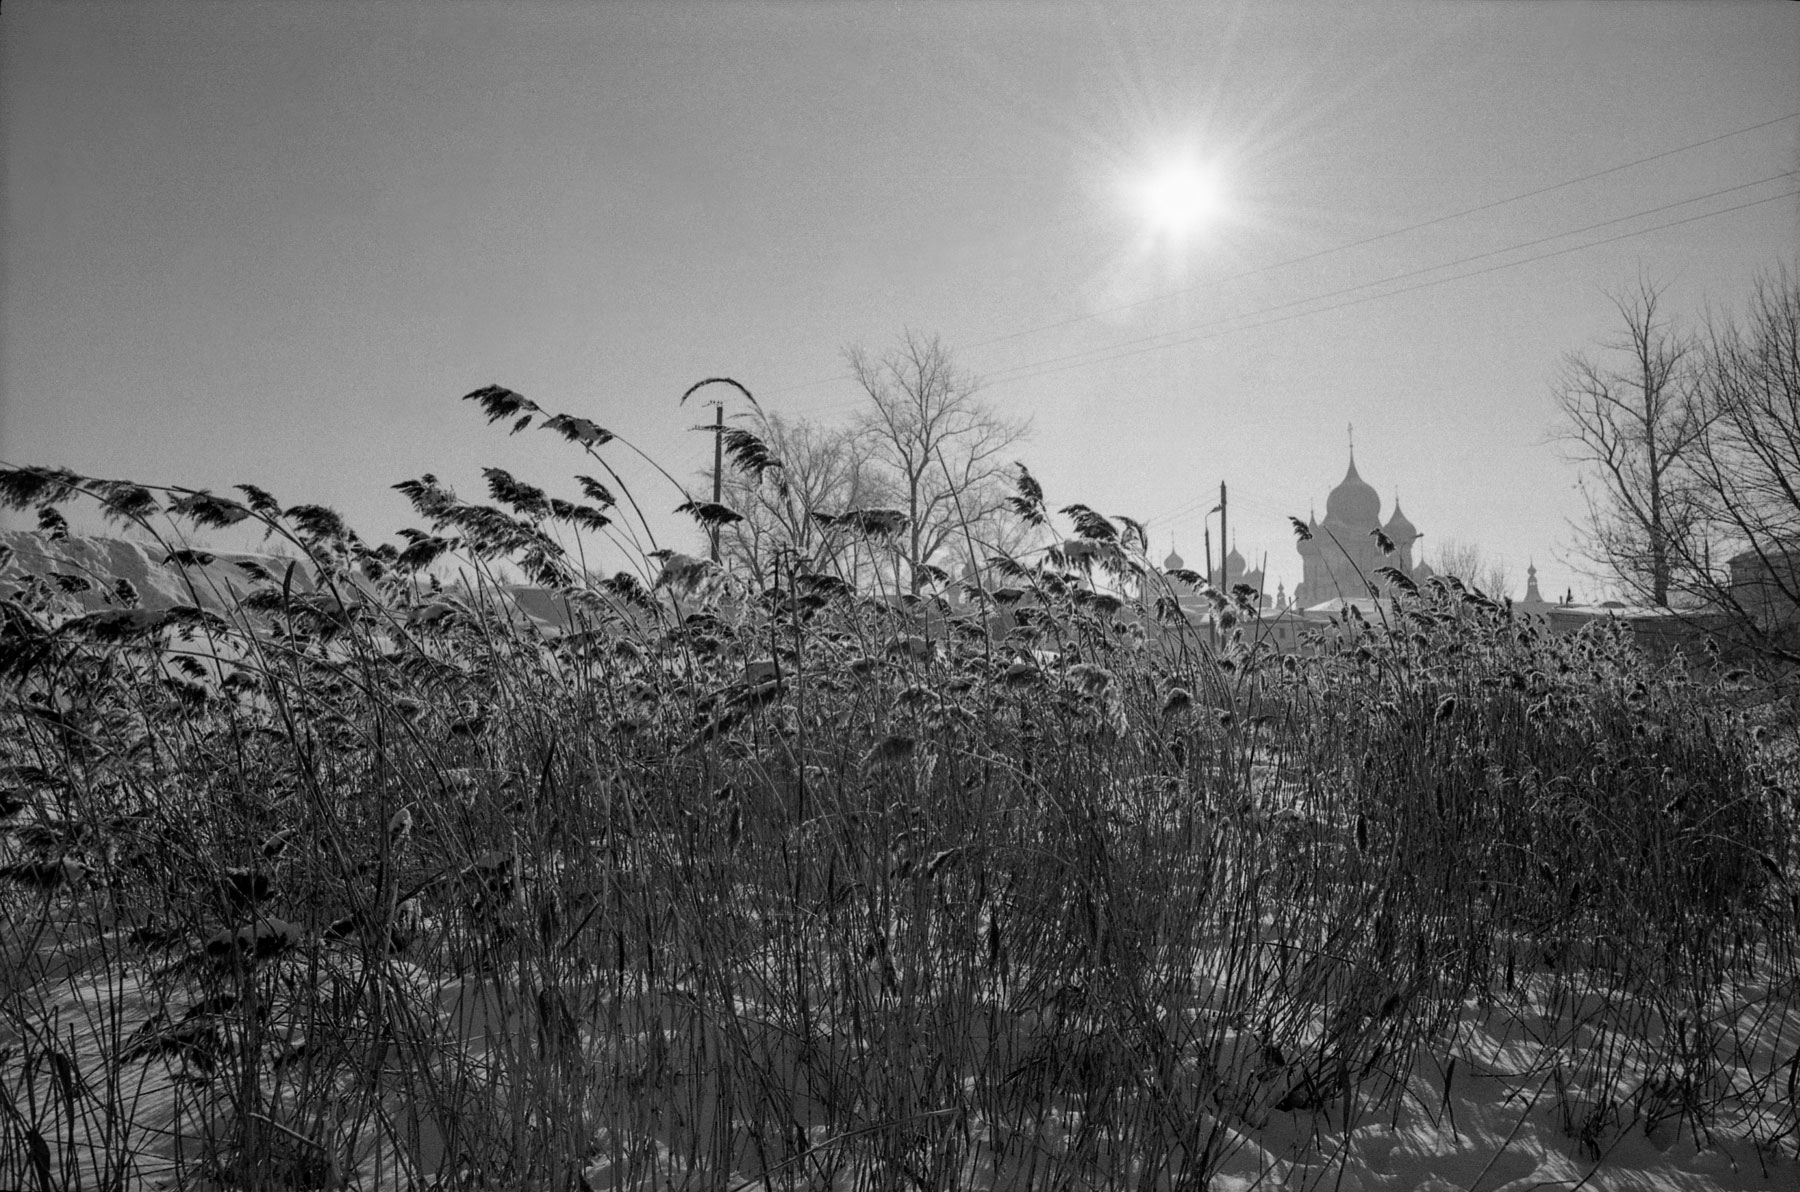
column 1181, row 196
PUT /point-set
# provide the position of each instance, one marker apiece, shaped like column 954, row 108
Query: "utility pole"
column 1212, row 614
column 718, row 469
column 1224, row 540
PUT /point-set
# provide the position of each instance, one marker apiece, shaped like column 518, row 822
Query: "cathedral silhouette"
column 1339, row 560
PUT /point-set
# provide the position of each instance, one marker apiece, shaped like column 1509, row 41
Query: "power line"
column 1433, row 222
column 1187, row 509
column 1182, row 510
column 1126, row 349
column 1000, row 376
column 1425, row 285
column 1380, row 236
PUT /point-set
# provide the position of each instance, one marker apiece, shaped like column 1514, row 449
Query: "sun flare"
column 1181, row 196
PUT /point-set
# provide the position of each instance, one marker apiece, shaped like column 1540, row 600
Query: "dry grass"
column 813, row 888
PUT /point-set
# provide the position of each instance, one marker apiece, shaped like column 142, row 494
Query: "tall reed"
column 370, row 875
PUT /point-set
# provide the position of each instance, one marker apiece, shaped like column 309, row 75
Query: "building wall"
column 1767, row 586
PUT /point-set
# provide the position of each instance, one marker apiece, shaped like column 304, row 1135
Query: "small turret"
column 1532, row 595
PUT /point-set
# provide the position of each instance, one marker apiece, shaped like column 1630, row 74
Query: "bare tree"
column 1496, row 578
column 945, row 450
column 1631, row 421
column 1746, row 473
column 1459, row 558
column 1467, row 562
column 824, row 469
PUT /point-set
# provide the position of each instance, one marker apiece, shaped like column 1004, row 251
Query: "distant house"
column 87, row 570
column 1659, row 631
column 1766, row 585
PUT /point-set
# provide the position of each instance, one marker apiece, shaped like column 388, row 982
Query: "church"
column 1339, row 560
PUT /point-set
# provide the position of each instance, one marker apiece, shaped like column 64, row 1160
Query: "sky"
column 276, row 243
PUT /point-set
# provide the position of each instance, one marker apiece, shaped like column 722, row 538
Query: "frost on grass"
column 366, row 879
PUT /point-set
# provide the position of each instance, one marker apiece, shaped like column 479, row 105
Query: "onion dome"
column 1309, row 545
column 1400, row 527
column 1174, row 561
column 1353, row 502
column 1234, row 561
column 1253, row 579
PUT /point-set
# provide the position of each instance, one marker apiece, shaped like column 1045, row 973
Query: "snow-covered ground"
column 1548, row 1094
